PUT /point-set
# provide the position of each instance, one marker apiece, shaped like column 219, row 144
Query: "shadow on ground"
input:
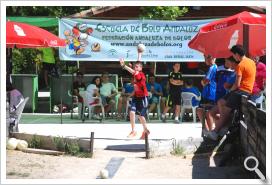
column 217, row 167
column 127, row 147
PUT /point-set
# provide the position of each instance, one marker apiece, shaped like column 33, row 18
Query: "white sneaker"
column 213, row 135
column 96, row 116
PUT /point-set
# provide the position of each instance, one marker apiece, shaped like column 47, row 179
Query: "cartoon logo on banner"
column 77, row 39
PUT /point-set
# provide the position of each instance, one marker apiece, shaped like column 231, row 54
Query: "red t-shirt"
column 140, row 89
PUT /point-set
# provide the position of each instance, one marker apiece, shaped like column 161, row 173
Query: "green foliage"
column 35, row 142
column 69, row 147
column 24, row 60
column 163, row 12
column 48, row 11
column 178, row 150
column 59, row 143
column 72, row 147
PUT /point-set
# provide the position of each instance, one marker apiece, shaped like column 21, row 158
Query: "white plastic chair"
column 158, row 108
column 90, row 107
column 186, row 103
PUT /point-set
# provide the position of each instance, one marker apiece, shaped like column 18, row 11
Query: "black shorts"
column 206, row 103
column 48, row 66
column 174, row 99
column 139, row 105
column 233, row 98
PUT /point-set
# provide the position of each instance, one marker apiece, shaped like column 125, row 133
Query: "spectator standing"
column 222, row 74
column 48, row 61
column 174, row 98
column 259, row 84
column 208, row 95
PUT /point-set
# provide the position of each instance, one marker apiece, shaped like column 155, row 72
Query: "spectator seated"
column 190, row 97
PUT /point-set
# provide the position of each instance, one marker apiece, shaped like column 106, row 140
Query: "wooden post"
column 92, row 143
column 147, row 149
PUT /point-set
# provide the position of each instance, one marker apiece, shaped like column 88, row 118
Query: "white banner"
column 109, row 40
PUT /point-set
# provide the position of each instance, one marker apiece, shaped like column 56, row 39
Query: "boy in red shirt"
column 139, row 103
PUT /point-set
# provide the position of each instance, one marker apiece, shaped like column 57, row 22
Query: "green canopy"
column 36, row 21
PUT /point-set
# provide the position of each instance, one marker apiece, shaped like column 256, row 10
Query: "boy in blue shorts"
column 139, row 100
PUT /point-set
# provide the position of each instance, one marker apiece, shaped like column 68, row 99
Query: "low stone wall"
column 157, row 147
column 253, row 132
column 47, row 142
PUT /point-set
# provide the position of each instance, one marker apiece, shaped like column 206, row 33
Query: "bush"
column 178, row 150
column 59, row 143
column 72, row 147
column 35, row 142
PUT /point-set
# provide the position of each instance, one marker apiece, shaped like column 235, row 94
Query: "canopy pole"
column 77, row 64
column 155, row 68
column 61, row 109
column 246, row 39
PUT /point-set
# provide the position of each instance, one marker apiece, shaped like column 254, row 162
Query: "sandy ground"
column 22, row 165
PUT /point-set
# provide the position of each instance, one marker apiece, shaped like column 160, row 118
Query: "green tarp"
column 36, row 21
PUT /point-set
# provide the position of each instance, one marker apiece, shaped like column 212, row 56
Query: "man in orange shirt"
column 245, row 77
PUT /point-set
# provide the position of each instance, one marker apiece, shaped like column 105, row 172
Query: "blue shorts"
column 139, row 105
column 153, row 99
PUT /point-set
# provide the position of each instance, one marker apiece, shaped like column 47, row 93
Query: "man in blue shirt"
column 222, row 75
column 225, row 78
column 155, row 91
column 209, row 88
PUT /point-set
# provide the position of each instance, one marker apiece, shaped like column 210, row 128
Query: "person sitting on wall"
column 245, row 78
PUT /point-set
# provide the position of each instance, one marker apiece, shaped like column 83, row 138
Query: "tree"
column 48, row 11
column 163, row 12
column 24, row 60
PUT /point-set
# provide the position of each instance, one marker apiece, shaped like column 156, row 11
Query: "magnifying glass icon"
column 255, row 168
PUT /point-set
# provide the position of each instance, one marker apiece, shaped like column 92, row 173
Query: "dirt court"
column 22, row 165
